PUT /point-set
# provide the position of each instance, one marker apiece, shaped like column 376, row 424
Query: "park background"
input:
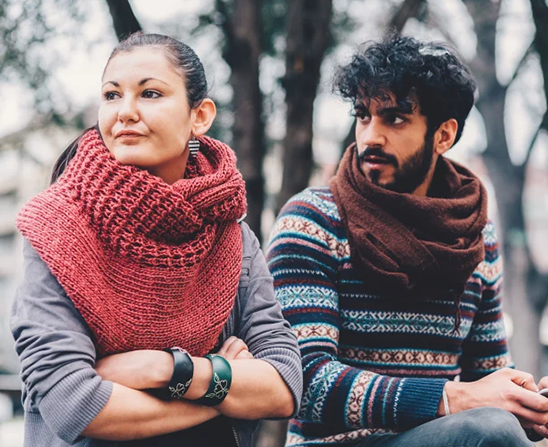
column 269, row 65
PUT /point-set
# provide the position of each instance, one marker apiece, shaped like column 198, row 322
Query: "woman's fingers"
column 244, row 355
column 226, row 345
column 232, row 347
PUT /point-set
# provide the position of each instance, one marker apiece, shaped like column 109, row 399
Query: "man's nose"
column 128, row 110
column 373, row 134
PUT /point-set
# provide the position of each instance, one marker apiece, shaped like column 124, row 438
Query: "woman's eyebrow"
column 145, row 80
column 141, row 82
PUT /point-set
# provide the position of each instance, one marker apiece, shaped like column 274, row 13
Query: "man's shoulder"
column 313, row 201
column 489, row 235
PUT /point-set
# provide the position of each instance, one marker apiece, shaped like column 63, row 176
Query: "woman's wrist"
column 201, row 380
column 162, row 367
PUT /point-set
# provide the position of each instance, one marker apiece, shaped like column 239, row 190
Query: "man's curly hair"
column 429, row 75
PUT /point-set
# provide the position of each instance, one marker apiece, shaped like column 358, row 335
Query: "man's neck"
column 422, row 190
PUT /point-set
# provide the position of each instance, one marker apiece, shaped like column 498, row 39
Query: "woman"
column 137, row 267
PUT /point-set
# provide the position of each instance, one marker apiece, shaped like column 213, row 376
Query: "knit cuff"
column 70, row 406
column 418, row 401
column 288, row 364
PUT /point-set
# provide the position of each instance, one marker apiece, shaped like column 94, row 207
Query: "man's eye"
column 361, row 115
column 151, row 94
column 394, row 119
column 109, row 96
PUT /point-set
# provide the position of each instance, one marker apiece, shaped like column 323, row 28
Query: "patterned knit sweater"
column 372, row 364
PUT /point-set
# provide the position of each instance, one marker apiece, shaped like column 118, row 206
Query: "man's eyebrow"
column 404, row 110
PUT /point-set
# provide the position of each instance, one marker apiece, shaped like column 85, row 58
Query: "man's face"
column 392, row 147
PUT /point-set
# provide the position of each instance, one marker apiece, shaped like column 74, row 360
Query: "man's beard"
column 407, row 177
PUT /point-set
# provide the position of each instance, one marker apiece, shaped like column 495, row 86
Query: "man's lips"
column 374, row 161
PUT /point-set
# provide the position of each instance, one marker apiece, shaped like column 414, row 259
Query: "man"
column 391, row 276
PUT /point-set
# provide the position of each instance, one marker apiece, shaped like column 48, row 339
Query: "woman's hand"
column 235, row 349
column 139, row 370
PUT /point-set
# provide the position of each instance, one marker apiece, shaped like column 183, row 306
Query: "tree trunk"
column 242, row 30
column 508, row 181
column 307, row 40
column 123, row 18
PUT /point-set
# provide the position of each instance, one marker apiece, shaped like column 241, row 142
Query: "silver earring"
column 194, row 147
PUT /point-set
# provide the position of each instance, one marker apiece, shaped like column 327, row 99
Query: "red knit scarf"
column 410, row 246
column 147, row 264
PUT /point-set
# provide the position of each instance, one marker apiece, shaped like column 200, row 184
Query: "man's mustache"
column 376, row 152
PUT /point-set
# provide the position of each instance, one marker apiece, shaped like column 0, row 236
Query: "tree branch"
column 408, row 9
column 534, row 140
column 521, row 63
column 123, row 18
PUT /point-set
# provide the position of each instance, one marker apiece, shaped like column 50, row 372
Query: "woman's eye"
column 109, row 96
column 151, row 94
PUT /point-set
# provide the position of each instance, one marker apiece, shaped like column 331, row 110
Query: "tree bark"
column 307, row 40
column 242, row 29
column 123, row 18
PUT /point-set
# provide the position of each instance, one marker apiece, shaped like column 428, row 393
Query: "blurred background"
column 270, row 64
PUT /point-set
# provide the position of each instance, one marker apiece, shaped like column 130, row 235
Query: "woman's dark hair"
column 184, row 60
column 429, row 74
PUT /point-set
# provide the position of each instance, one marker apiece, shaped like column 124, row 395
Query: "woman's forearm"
column 257, row 392
column 130, row 414
column 257, row 389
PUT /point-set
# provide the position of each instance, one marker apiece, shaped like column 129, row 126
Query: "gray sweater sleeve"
column 56, row 352
column 262, row 326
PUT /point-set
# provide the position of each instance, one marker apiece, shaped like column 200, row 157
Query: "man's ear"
column 202, row 117
column 445, row 136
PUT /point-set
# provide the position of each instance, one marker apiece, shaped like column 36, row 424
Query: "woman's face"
column 144, row 117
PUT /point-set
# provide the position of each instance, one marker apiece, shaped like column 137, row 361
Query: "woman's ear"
column 445, row 136
column 202, row 117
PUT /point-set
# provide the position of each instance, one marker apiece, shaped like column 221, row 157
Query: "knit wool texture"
column 148, row 265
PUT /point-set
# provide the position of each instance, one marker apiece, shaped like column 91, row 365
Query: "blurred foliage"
column 26, row 31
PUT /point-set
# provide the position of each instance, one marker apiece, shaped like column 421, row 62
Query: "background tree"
column 303, row 35
column 241, row 23
column 123, row 18
column 525, row 286
column 307, row 41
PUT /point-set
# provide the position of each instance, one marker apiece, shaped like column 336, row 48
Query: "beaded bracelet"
column 220, row 381
column 183, row 371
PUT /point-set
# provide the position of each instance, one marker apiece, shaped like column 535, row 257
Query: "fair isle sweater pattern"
column 373, row 364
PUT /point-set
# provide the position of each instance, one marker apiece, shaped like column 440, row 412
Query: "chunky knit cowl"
column 147, row 264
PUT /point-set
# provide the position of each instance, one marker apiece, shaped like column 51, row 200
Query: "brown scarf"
column 147, row 264
column 411, row 246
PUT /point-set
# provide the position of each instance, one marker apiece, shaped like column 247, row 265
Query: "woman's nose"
column 128, row 110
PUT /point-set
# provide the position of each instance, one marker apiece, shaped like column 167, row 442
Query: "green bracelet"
column 220, row 381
